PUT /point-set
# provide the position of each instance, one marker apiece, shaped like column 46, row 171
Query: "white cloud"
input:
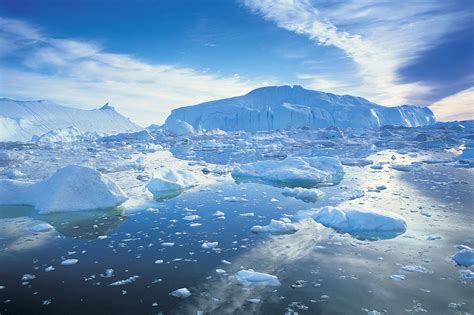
column 459, row 106
column 380, row 37
column 82, row 74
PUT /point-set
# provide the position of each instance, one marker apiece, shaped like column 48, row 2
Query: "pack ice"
column 71, row 188
column 355, row 221
column 281, row 107
column 306, row 172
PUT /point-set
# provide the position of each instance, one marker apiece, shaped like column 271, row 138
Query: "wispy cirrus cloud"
column 459, row 106
column 380, row 37
column 84, row 74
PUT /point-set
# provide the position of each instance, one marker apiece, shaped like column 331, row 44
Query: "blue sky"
column 147, row 57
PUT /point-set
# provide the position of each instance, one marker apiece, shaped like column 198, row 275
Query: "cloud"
column 83, row 74
column 459, row 106
column 380, row 38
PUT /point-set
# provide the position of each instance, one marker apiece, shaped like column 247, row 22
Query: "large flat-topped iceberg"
column 72, row 188
column 21, row 120
column 361, row 222
column 293, row 171
column 281, row 107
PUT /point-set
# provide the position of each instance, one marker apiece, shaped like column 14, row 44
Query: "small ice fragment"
column 159, row 261
column 42, row 227
column 250, row 277
column 275, row 227
column 255, row 301
column 124, row 282
column 235, row 199
column 108, row 273
column 181, row 293
column 218, row 214
column 220, row 271
column 414, row 268
column 191, row 217
column 247, row 214
column 167, row 244
column 69, row 262
column 209, row 245
column 465, row 257
column 50, row 268
column 397, row 277
column 28, row 277
column 433, row 237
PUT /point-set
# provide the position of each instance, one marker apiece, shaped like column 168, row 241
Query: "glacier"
column 24, row 120
column 282, row 107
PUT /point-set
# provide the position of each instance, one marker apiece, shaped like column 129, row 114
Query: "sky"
column 147, row 57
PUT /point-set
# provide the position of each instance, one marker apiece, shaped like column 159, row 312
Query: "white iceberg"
column 250, row 277
column 168, row 182
column 293, row 171
column 71, row 188
column 275, row 227
column 361, row 222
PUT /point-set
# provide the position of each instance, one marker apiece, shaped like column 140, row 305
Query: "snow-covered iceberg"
column 304, row 194
column 361, row 223
column 72, row 188
column 169, row 182
column 250, row 277
column 281, row 107
column 22, row 120
column 293, row 171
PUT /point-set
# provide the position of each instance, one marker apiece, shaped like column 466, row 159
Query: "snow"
column 250, row 277
column 355, row 220
column 168, row 182
column 71, row 188
column 281, row 107
column 275, row 227
column 304, row 194
column 181, row 293
column 465, row 257
column 306, row 172
column 23, row 120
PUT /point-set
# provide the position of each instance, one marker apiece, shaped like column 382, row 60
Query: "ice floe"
column 275, row 227
column 169, row 182
column 306, row 172
column 465, row 257
column 181, row 293
column 361, row 222
column 304, row 194
column 250, row 277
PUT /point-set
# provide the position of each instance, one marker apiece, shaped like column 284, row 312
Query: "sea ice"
column 275, row 227
column 250, row 277
column 209, row 245
column 293, row 171
column 69, row 262
column 42, row 227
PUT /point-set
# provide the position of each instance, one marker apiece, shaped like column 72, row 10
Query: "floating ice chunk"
column 69, row 262
column 42, row 227
column 235, row 199
column 191, row 217
column 356, row 162
column 28, row 277
column 254, row 301
column 107, row 274
column 220, row 271
column 304, row 194
column 168, row 182
column 159, row 261
column 397, row 277
column 209, row 245
column 465, row 257
column 467, row 156
column 167, row 244
column 414, row 268
column 466, row 275
column 181, row 293
column 63, row 135
column 247, row 214
column 218, row 214
column 433, row 237
column 293, row 172
column 250, row 277
column 181, row 128
column 71, row 188
column 373, row 312
column 275, row 227
column 124, row 282
column 49, row 269
column 354, row 221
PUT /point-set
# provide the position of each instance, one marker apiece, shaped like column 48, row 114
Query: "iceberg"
column 303, row 194
column 250, row 277
column 465, row 257
column 181, row 293
column 306, row 172
column 23, row 120
column 282, row 107
column 168, row 182
column 275, row 227
column 361, row 222
column 71, row 188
